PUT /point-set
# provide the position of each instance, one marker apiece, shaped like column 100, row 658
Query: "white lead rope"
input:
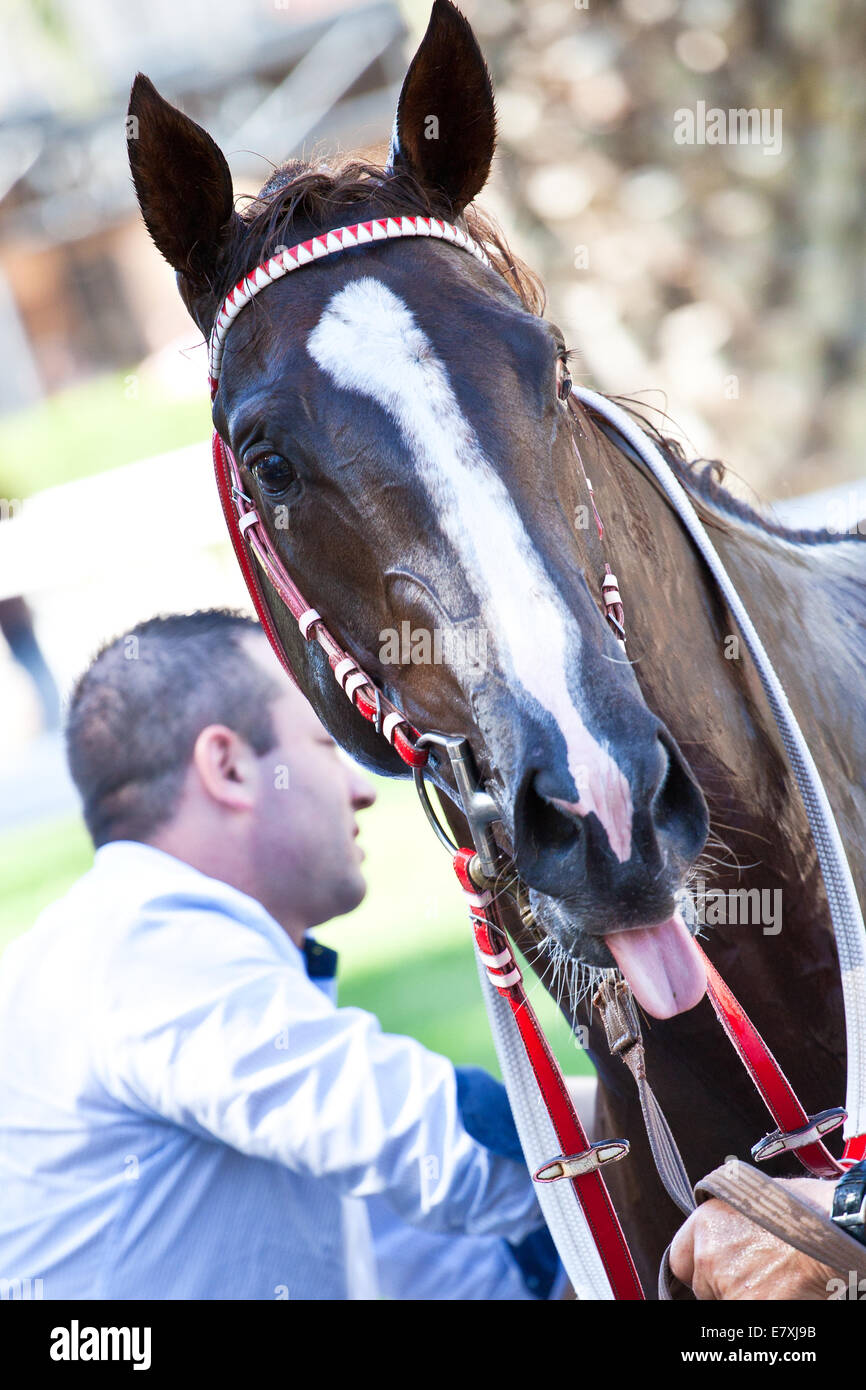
column 845, row 908
column 574, row 1241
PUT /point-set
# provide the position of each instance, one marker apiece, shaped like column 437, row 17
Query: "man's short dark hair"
column 136, row 713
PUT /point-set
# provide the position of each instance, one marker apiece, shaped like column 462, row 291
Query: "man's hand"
column 723, row 1255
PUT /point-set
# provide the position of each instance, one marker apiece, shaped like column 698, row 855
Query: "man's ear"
column 184, row 190
column 445, row 128
column 226, row 767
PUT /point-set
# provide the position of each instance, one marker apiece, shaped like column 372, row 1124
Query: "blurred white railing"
column 96, row 555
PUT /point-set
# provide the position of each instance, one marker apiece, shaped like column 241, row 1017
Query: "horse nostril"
column 678, row 807
column 548, row 826
column 664, row 775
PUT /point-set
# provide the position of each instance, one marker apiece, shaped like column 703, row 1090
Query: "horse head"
column 397, row 414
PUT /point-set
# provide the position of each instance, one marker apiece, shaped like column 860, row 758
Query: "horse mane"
column 703, row 480
column 321, row 196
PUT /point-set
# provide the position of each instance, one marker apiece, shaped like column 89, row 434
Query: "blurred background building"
column 720, row 279
column 82, row 292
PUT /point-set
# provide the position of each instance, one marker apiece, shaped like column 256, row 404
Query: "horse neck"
column 806, row 602
column 689, row 660
column 806, row 599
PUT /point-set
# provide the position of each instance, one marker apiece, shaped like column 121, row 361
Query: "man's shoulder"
column 139, row 902
column 152, row 900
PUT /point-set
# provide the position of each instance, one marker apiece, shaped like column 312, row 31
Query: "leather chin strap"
column 796, row 1131
column 616, row 1006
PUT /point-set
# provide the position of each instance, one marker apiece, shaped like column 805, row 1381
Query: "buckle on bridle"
column 579, row 1165
column 781, row 1141
column 615, row 1003
column 478, row 806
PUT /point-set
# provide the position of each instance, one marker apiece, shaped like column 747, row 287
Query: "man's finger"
column 682, row 1256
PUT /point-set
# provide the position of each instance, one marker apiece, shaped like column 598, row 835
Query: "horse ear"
column 183, row 185
column 445, row 127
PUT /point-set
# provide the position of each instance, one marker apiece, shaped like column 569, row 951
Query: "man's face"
column 304, row 844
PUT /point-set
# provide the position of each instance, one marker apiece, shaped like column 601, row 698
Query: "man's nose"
column 363, row 792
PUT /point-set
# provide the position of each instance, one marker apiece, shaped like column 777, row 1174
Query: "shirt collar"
column 160, row 871
column 321, row 960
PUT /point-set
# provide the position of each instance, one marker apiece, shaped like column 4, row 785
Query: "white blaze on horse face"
column 367, row 341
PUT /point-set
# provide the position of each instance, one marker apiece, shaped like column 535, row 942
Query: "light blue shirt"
column 185, row 1113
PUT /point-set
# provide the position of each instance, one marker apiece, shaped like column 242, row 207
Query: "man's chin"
column 348, row 895
column 358, row 896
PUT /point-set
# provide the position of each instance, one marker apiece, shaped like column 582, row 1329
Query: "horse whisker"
column 742, row 831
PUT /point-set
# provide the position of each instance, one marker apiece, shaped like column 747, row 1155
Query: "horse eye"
column 273, row 473
column 563, row 379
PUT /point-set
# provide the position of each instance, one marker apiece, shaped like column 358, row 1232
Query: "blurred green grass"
column 405, row 954
column 99, row 424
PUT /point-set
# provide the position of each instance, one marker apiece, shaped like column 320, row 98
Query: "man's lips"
column 662, row 965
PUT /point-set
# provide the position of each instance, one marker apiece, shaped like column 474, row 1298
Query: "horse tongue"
column 662, row 965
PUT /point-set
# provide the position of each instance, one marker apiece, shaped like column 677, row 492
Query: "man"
column 184, row 1111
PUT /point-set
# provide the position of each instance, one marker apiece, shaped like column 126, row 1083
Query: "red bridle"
column 579, row 1161
column 244, row 523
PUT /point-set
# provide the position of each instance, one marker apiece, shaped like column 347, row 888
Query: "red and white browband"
column 340, row 239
